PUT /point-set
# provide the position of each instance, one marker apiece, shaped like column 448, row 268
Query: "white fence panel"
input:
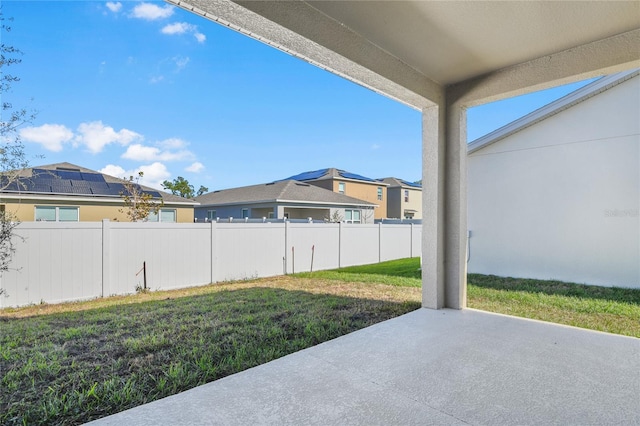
column 395, row 242
column 53, row 263
column 324, row 238
column 176, row 255
column 416, row 242
column 59, row 262
column 359, row 244
column 249, row 250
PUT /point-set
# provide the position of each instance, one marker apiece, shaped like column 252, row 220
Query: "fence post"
column 411, row 241
column 340, row 244
column 379, row 242
column 214, row 250
column 106, row 255
column 286, row 244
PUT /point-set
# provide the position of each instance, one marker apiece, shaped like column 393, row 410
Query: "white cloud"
column 156, row 79
column 50, row 136
column 139, row 152
column 178, row 28
column 375, row 146
column 95, row 136
column 153, row 174
column 181, row 62
column 196, row 167
column 184, row 28
column 172, row 143
column 151, row 12
column 114, row 6
column 116, row 171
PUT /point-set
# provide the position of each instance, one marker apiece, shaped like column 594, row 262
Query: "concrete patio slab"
column 429, row 367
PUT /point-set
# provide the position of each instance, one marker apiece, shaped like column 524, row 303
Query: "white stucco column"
column 444, row 206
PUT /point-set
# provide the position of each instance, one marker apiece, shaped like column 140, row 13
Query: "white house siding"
column 560, row 199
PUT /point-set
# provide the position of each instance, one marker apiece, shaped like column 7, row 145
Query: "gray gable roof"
column 281, row 191
column 573, row 98
column 395, row 182
column 75, row 181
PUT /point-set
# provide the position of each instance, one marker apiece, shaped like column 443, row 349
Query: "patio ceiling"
column 410, row 50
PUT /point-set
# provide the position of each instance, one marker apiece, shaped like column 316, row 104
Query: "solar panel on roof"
column 68, row 174
column 415, row 185
column 348, row 175
column 43, row 174
column 61, row 187
column 114, row 189
column 99, row 188
column 92, row 177
column 309, row 175
column 40, row 187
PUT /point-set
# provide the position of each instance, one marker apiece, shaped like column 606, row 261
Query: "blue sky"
column 127, row 86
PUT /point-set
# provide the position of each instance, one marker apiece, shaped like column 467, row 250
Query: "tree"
column 138, row 203
column 12, row 154
column 180, row 186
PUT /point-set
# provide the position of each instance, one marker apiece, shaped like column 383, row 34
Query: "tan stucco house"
column 286, row 199
column 65, row 192
column 350, row 184
column 404, row 199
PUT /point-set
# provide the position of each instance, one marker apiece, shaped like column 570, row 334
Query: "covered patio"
column 435, row 366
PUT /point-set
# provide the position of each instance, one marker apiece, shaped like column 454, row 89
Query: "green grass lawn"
column 610, row 309
column 71, row 363
column 83, row 362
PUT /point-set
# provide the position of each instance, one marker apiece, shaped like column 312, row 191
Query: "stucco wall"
column 560, row 199
column 88, row 212
column 396, row 205
column 367, row 192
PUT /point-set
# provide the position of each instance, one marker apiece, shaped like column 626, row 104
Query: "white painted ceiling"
column 410, row 50
column 451, row 41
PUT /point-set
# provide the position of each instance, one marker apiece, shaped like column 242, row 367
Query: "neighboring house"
column 278, row 200
column 404, row 199
column 351, row 184
column 556, row 194
column 64, row 192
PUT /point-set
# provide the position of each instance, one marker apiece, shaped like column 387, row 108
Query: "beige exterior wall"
column 360, row 190
column 25, row 210
column 397, row 206
column 367, row 192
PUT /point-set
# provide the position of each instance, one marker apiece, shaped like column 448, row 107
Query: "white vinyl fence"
column 61, row 262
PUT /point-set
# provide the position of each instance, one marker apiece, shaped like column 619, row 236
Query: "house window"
column 270, row 215
column 245, row 213
column 163, row 215
column 352, row 216
column 211, row 215
column 56, row 214
column 341, row 187
column 380, row 194
column 406, row 195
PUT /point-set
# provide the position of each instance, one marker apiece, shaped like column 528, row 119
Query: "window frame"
column 56, row 213
column 342, row 187
column 351, row 213
column 379, row 193
column 157, row 217
column 212, row 215
column 406, row 195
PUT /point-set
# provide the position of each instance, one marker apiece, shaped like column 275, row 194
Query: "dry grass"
column 311, row 285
